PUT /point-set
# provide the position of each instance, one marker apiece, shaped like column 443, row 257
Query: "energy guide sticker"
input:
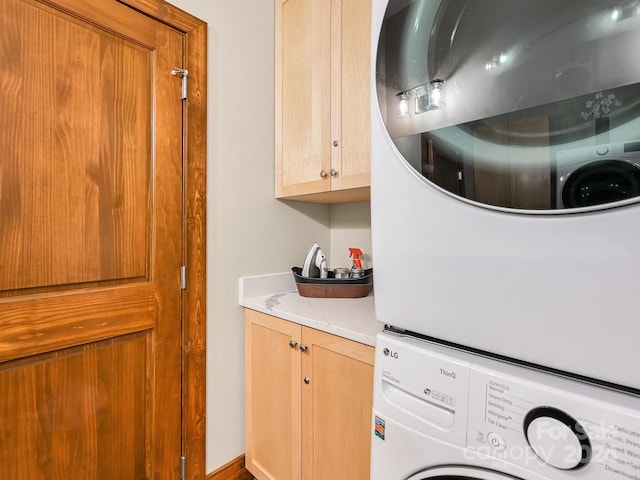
column 380, row 428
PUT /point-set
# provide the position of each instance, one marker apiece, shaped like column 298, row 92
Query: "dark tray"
column 333, row 287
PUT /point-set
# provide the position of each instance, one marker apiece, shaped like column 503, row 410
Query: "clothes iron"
column 315, row 265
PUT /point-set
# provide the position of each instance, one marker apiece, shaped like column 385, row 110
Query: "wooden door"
column 90, row 242
column 517, row 177
column 337, row 403
column 530, row 162
column 272, row 397
column 492, row 175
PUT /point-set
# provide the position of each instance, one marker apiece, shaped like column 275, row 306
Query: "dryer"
column 442, row 413
column 472, row 103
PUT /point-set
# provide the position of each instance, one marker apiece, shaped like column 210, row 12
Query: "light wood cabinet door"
column 303, row 92
column 351, row 63
column 272, row 397
column 322, row 100
column 336, row 407
column 309, row 397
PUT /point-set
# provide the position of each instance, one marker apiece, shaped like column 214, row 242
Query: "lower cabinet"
column 309, row 397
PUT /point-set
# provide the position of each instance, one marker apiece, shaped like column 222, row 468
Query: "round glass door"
column 500, row 102
column 460, row 473
column 600, row 183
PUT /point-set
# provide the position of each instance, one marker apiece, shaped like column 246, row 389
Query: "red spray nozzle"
column 356, row 253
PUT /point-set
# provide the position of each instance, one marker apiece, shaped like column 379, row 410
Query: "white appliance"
column 441, row 413
column 554, row 287
column 586, row 174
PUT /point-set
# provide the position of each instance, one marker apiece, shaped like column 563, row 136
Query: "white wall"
column 248, row 231
column 350, row 227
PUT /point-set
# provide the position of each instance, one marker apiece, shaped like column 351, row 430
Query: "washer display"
column 441, row 413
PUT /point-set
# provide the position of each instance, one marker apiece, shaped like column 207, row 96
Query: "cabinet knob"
column 303, row 347
column 307, row 380
column 335, row 143
column 333, row 172
column 292, row 344
column 323, row 174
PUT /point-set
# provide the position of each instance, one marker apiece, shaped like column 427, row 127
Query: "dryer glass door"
column 497, row 102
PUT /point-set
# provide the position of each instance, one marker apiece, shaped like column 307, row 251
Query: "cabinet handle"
column 323, row 174
column 307, row 380
column 333, row 172
column 292, row 344
column 303, row 347
column 335, row 143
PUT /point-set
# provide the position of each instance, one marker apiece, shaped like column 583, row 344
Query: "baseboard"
column 234, row 470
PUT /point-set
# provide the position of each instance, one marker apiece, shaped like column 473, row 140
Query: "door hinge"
column 183, row 468
column 183, row 277
column 183, row 74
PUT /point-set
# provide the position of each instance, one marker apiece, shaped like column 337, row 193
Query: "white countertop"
column 276, row 294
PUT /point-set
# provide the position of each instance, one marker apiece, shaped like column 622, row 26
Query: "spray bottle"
column 356, row 253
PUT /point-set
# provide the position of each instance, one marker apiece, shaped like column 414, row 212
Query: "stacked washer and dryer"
column 505, row 228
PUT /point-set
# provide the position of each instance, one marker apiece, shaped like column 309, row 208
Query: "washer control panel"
column 553, row 425
column 501, row 415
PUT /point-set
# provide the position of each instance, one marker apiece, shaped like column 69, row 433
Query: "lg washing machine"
column 446, row 414
column 598, row 174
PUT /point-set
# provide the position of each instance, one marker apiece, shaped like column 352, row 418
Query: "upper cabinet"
column 322, row 100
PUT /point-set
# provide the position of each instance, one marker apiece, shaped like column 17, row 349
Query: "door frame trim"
column 194, row 296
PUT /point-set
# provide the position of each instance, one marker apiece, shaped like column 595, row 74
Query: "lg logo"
column 390, row 353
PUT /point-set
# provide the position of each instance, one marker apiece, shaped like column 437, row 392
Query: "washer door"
column 460, row 473
column 601, row 182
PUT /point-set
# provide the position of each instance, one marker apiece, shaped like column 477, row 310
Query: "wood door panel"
column 70, row 414
column 74, row 198
column 91, row 195
column 33, row 326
